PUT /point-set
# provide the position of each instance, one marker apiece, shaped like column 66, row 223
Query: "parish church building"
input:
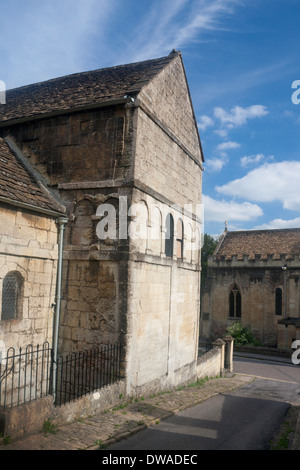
column 253, row 278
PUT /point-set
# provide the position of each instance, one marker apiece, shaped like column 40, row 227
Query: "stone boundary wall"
column 218, row 360
column 209, row 365
column 264, row 350
column 21, row 421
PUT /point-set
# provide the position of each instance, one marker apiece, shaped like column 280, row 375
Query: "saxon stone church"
column 94, row 157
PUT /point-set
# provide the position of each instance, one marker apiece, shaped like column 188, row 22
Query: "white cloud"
column 279, row 224
column 219, row 211
column 228, row 145
column 278, row 181
column 226, row 121
column 204, row 122
column 239, row 115
column 221, row 132
column 215, row 164
column 252, row 159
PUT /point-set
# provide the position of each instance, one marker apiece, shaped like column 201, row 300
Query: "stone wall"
column 29, row 418
column 28, row 246
column 81, row 156
column 257, row 281
column 163, row 302
column 84, row 146
column 167, row 152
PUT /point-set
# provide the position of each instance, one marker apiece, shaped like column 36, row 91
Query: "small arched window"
column 169, row 242
column 179, row 240
column 235, row 303
column 278, row 301
column 11, row 296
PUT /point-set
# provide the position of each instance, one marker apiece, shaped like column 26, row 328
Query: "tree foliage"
column 242, row 335
column 209, row 245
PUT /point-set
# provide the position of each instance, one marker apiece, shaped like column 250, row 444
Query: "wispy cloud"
column 228, row 145
column 238, row 115
column 241, row 81
column 204, row 122
column 248, row 160
column 173, row 24
column 224, row 121
column 216, row 164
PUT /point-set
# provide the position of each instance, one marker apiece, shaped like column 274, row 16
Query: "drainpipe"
column 284, row 269
column 61, row 222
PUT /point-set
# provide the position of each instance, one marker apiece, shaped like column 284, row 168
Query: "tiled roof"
column 80, row 90
column 18, row 186
column 260, row 242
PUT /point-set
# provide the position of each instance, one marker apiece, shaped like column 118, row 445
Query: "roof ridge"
column 263, row 230
column 86, row 72
column 80, row 90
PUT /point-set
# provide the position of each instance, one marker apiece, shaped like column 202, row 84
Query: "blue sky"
column 241, row 59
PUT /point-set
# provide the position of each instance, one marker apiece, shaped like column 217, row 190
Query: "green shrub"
column 241, row 334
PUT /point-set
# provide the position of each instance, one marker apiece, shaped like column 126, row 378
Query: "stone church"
column 118, row 156
column 253, row 278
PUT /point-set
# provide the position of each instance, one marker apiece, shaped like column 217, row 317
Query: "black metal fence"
column 24, row 375
column 30, row 373
column 81, row 373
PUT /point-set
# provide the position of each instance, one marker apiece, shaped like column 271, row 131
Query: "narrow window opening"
column 278, row 301
column 235, row 303
column 169, row 236
column 179, row 240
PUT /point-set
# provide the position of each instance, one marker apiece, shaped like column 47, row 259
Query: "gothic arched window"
column 235, row 302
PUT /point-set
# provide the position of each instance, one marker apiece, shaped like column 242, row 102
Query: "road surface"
column 245, row 419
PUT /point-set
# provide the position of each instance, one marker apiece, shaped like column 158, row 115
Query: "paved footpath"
column 106, row 427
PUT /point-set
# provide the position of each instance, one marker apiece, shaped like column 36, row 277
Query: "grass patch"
column 283, row 439
column 49, row 428
column 199, row 382
column 100, row 444
column 5, row 439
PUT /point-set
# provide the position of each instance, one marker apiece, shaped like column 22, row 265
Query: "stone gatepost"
column 220, row 344
column 229, row 341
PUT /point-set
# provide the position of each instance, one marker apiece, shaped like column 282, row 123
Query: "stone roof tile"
column 17, row 186
column 80, row 89
column 261, row 243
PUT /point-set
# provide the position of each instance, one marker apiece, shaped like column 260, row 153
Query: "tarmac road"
column 245, row 419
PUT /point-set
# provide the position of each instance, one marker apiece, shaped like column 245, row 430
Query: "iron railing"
column 24, row 375
column 81, row 373
column 27, row 374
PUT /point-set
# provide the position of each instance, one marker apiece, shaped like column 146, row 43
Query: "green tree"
column 209, row 245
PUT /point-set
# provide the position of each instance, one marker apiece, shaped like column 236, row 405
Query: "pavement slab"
column 106, row 427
